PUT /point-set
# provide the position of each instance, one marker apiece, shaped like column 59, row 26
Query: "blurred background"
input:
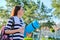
column 46, row 11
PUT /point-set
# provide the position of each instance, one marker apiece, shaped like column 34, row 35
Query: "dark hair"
column 15, row 10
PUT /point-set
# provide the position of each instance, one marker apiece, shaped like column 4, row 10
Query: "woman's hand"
column 21, row 30
column 29, row 35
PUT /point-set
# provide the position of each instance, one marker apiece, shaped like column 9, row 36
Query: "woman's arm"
column 8, row 27
column 21, row 30
column 11, row 31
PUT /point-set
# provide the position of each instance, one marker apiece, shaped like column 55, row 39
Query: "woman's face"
column 21, row 12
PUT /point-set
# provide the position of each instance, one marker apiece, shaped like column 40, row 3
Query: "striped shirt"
column 18, row 24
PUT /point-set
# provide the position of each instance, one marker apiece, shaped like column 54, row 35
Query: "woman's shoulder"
column 11, row 17
column 22, row 19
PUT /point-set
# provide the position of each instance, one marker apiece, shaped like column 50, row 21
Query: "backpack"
column 5, row 36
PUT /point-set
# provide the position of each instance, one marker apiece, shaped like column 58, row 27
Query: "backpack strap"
column 12, row 27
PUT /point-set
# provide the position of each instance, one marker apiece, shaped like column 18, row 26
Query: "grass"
column 50, row 38
column 43, row 38
column 28, row 38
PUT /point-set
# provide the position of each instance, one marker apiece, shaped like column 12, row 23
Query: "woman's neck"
column 18, row 16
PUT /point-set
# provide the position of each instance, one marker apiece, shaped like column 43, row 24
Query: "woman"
column 18, row 31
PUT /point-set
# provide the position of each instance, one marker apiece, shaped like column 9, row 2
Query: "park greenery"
column 33, row 10
column 56, row 6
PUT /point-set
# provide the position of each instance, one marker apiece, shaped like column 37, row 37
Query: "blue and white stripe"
column 18, row 24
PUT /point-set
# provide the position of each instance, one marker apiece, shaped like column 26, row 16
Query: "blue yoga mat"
column 31, row 27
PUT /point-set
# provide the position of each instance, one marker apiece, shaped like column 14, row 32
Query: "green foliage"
column 4, row 13
column 56, row 5
column 52, row 30
column 29, row 13
column 48, row 24
column 50, row 38
column 31, row 10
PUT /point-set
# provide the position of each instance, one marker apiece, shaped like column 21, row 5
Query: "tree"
column 56, row 6
column 44, row 12
column 4, row 15
column 48, row 24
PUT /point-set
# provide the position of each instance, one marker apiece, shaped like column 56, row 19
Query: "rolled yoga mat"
column 31, row 27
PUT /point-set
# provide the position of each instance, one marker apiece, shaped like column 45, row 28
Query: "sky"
column 3, row 3
column 46, row 2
